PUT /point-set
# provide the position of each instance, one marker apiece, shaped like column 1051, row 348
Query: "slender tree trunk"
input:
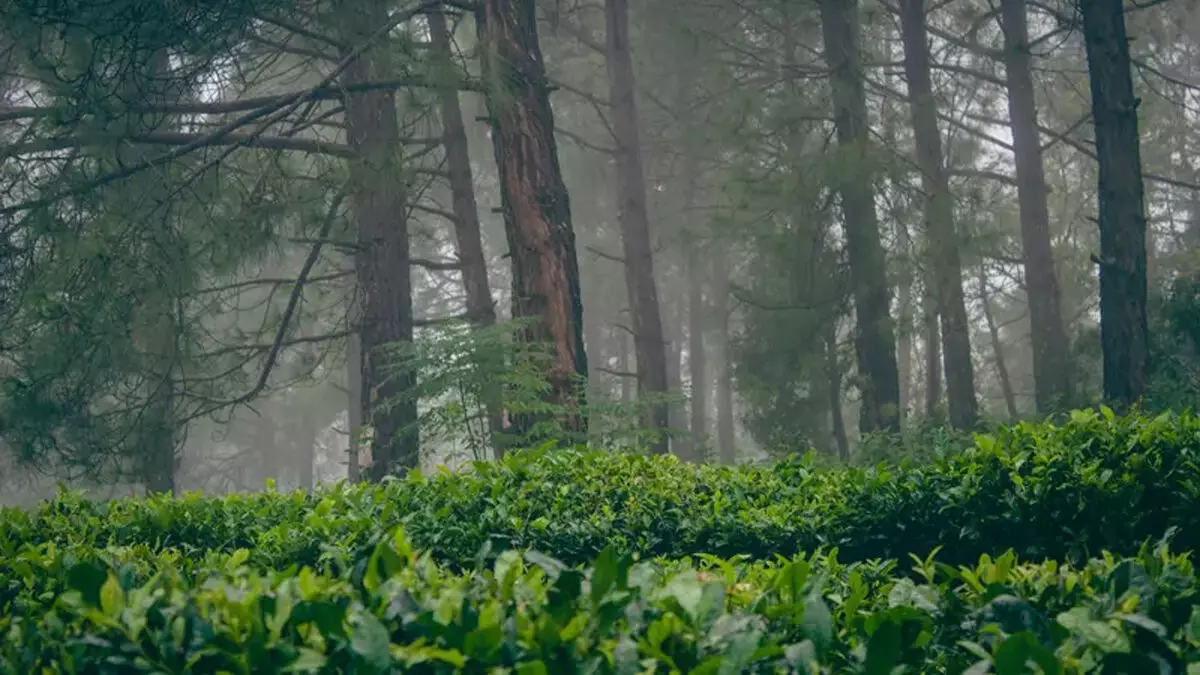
column 1122, row 258
column 985, row 299
column 904, row 356
column 726, row 451
column 626, row 365
column 537, row 211
column 875, row 338
column 1051, row 350
column 355, row 409
column 833, row 370
column 939, row 219
column 933, row 353
column 697, row 358
column 676, row 416
column 480, row 306
column 635, row 222
column 382, row 257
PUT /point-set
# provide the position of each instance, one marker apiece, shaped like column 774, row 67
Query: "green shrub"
column 528, row 613
column 1046, row 491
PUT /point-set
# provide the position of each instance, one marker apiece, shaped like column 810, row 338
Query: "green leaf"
column 905, row 592
column 532, row 668
column 372, row 642
column 1097, row 633
column 883, row 649
column 687, row 591
column 112, row 596
column 1017, row 650
column 307, row 660
column 87, row 578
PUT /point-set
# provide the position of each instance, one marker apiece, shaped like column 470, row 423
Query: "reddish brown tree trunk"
column 1122, row 261
column 649, row 344
column 382, row 258
column 939, row 220
column 1051, row 351
column 875, row 343
column 537, row 211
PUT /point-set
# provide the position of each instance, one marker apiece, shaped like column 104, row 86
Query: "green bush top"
column 1064, row 491
column 528, row 613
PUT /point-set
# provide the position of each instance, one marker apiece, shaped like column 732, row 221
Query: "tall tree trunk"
column 904, row 356
column 1051, row 350
column 875, row 339
column 635, row 222
column 158, row 327
column 355, row 404
column 985, row 299
column 726, row 451
column 933, row 352
column 697, row 358
column 537, row 210
column 480, row 306
column 1122, row 258
column 939, row 219
column 382, row 256
column 625, row 365
column 833, row 371
column 677, row 418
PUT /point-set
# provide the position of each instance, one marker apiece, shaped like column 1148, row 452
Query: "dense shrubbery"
column 531, row 614
column 1060, row 492
column 317, row 582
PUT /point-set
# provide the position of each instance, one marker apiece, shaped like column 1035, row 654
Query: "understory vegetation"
column 1064, row 547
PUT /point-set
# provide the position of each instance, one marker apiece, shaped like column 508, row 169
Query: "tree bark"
column 537, row 211
column 625, row 365
column 726, row 451
column 833, row 371
column 933, row 352
column 649, row 343
column 480, row 307
column 1051, row 350
column 939, row 219
column 697, row 358
column 875, row 337
column 904, row 355
column 985, row 299
column 355, row 404
column 1122, row 260
column 382, row 262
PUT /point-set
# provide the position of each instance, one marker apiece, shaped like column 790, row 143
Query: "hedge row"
column 1046, row 491
column 530, row 614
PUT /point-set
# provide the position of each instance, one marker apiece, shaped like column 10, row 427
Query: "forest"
column 599, row 336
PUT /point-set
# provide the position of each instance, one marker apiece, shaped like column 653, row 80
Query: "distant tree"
column 875, row 344
column 939, row 219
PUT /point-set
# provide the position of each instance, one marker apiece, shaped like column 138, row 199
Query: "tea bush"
column 528, row 613
column 1062, row 492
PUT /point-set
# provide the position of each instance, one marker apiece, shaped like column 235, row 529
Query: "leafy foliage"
column 1064, row 492
column 530, row 613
